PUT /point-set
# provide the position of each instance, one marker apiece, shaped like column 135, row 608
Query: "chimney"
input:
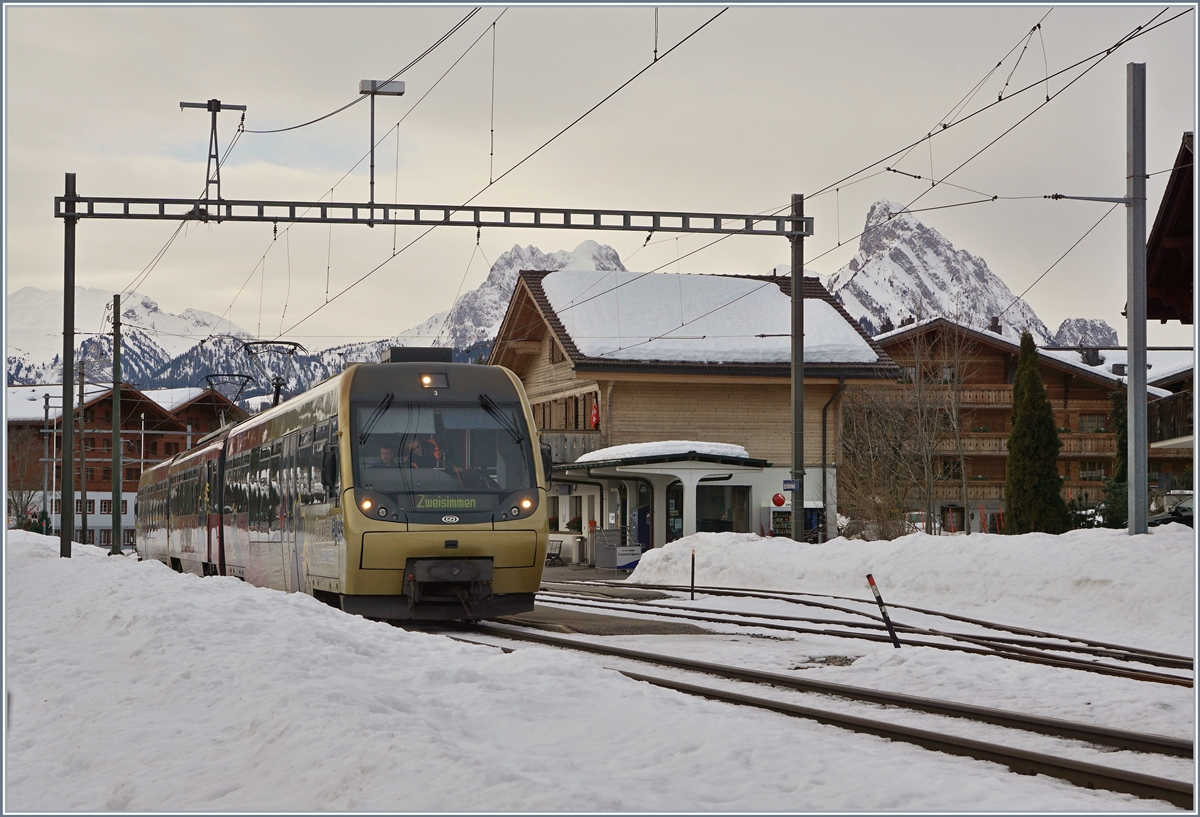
column 994, row 326
column 888, row 326
column 908, row 321
column 1118, row 369
column 1090, row 357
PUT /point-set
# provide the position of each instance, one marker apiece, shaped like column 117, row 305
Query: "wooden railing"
column 1072, row 444
column 568, row 446
column 1170, row 417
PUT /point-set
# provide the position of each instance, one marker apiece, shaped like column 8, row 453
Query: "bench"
column 554, row 554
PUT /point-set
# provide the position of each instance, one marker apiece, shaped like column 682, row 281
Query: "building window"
column 124, row 506
column 127, row 536
column 108, row 443
column 951, row 469
column 91, row 474
column 89, row 443
column 106, row 537
column 556, row 355
column 1090, row 423
column 57, row 508
column 106, row 506
column 106, row 474
column 131, row 474
column 152, row 447
column 1092, row 470
column 91, row 536
column 91, row 506
column 89, row 414
column 170, row 449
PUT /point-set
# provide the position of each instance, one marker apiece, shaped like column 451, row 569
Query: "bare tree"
column 959, row 354
column 874, row 476
column 24, row 471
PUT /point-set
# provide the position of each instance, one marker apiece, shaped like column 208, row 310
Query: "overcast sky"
column 760, row 104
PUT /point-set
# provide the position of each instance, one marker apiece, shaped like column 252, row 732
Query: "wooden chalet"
column 605, row 368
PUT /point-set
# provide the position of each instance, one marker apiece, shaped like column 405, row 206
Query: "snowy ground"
column 133, row 687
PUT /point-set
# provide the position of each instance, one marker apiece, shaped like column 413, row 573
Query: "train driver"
column 416, row 455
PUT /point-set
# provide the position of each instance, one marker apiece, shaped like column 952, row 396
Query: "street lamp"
column 373, row 88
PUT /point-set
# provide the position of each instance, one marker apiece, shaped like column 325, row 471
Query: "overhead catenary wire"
column 330, row 192
column 1099, row 56
column 533, row 153
column 1139, row 31
column 361, row 97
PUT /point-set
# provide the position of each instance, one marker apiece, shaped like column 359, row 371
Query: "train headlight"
column 366, row 504
column 526, row 503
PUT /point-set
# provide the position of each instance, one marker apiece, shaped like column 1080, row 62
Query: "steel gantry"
column 794, row 226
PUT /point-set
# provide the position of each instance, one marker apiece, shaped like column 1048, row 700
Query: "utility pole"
column 67, row 500
column 117, row 484
column 46, row 463
column 82, row 465
column 1135, row 307
column 797, row 240
column 373, row 87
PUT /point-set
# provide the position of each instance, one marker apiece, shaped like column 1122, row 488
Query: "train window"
column 306, row 437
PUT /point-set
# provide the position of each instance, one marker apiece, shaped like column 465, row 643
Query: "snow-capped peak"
column 904, row 269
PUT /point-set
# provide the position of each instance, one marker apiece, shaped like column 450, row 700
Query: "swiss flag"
column 595, row 420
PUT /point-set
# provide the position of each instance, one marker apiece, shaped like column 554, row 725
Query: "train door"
column 210, row 507
column 289, row 507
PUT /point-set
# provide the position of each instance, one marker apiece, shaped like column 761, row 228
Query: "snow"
column 132, row 687
column 1163, row 364
column 622, row 315
column 1098, row 583
column 904, row 268
column 26, row 402
column 663, row 449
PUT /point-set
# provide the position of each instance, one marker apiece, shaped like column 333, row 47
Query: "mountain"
column 150, row 336
column 160, row 350
column 905, row 269
column 1085, row 332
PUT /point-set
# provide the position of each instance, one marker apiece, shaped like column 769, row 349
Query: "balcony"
column 1170, row 418
column 993, row 443
column 568, row 446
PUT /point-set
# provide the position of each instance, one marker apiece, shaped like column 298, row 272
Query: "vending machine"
column 776, row 518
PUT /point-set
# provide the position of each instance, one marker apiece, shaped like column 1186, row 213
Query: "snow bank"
column 1105, row 584
column 132, row 687
column 662, row 449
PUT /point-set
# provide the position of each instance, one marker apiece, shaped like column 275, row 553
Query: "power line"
column 361, row 97
column 537, row 150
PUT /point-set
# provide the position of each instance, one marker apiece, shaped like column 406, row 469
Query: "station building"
column 666, row 399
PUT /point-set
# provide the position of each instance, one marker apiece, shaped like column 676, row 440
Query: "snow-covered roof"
column 24, row 403
column 628, row 316
column 1162, row 365
column 1172, row 362
column 664, row 448
column 171, row 399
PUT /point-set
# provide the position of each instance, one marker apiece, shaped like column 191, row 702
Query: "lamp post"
column 373, row 88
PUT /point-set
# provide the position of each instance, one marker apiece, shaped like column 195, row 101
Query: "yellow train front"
column 392, row 490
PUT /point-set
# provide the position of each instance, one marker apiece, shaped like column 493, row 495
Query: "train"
column 395, row 491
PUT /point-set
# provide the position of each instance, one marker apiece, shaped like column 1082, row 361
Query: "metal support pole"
column 46, row 464
column 371, row 220
column 115, row 545
column 67, row 501
column 83, row 526
column 798, row 366
column 1135, row 309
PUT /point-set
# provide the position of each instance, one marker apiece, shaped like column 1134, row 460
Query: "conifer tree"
column 1116, row 487
column 1032, row 487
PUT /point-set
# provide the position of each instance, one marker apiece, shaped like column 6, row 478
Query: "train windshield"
column 445, row 458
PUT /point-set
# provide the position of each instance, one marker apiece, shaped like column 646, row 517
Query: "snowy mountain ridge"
column 904, row 269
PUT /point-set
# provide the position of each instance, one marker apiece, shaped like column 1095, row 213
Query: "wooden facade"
column 1079, row 395
column 647, row 401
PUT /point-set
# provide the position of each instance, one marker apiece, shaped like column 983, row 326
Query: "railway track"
column 1035, row 647
column 1022, row 761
